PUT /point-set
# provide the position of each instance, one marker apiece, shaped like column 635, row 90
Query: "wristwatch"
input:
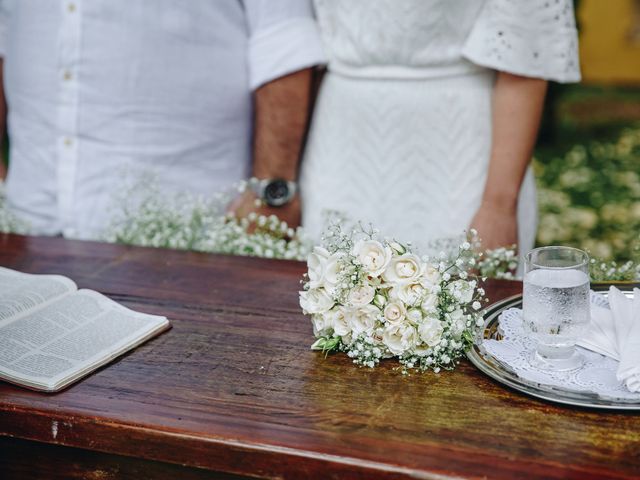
column 275, row 192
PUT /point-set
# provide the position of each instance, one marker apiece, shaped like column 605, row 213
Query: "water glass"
column 556, row 305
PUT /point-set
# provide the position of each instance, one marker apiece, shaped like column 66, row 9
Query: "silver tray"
column 505, row 375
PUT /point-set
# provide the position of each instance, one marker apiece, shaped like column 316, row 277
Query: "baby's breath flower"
column 149, row 217
column 10, row 223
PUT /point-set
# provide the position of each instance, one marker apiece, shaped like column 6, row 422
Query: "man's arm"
column 517, row 108
column 282, row 109
column 3, row 123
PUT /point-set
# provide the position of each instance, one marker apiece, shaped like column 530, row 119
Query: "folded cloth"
column 615, row 332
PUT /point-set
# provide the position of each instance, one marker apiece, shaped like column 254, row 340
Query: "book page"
column 70, row 337
column 21, row 292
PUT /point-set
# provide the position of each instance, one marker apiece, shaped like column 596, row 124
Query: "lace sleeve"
column 533, row 38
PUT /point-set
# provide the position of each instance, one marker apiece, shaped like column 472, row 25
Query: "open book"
column 52, row 334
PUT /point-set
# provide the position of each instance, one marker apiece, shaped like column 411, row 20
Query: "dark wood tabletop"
column 234, row 389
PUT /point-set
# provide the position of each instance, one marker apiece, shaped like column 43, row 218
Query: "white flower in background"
column 316, row 264
column 340, row 321
column 400, row 338
column 363, row 320
column 373, row 256
column 9, row 222
column 315, row 301
column 403, row 269
column 361, row 295
column 430, row 331
column 395, row 312
column 462, row 290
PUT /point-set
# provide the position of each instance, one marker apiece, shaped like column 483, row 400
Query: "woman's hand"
column 497, row 226
column 517, row 106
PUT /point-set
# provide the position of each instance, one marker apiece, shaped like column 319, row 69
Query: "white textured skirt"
column 408, row 156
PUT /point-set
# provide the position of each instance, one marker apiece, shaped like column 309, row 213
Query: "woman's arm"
column 517, row 108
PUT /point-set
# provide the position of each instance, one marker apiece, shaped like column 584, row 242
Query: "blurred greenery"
column 588, row 171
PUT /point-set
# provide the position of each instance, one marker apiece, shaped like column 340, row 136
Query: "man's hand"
column 246, row 203
column 497, row 226
column 281, row 117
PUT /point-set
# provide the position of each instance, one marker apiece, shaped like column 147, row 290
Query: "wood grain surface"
column 234, row 388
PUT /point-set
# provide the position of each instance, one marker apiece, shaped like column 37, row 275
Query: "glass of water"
column 556, row 305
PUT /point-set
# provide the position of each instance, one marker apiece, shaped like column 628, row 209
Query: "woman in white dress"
column 428, row 113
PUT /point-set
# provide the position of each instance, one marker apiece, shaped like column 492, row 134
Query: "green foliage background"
column 587, row 165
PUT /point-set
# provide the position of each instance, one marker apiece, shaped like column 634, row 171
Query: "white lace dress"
column 401, row 134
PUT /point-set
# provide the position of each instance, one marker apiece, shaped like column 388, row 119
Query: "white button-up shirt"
column 99, row 87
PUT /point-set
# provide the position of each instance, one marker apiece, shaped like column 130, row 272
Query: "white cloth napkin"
column 615, row 332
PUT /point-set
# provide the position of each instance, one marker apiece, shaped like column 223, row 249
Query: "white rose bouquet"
column 375, row 299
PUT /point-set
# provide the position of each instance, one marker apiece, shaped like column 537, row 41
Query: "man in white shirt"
column 193, row 91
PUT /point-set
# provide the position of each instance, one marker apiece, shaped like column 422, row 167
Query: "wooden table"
column 234, row 389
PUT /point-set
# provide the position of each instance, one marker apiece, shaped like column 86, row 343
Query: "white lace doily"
column 597, row 375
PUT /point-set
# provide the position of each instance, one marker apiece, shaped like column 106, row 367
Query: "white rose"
column 363, row 320
column 431, row 275
column 414, row 315
column 315, row 301
column 332, row 271
column 373, row 256
column 410, row 337
column 403, row 269
column 409, row 293
column 395, row 313
column 361, row 295
column 430, row 302
column 316, row 264
column 379, row 300
column 340, row 321
column 458, row 322
column 462, row 290
column 398, row 248
column 430, row 331
column 321, row 324
column 400, row 338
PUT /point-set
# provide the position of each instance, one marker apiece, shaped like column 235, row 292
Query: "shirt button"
column 71, row 7
column 68, row 141
column 67, row 75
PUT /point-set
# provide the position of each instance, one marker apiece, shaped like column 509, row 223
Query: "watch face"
column 276, row 193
